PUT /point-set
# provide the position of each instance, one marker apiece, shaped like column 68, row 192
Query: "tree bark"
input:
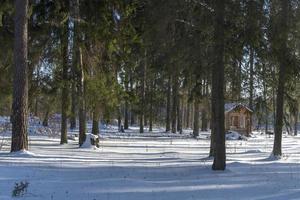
column 73, row 106
column 277, row 149
column 81, row 103
column 19, row 139
column 152, row 89
column 179, row 115
column 196, row 118
column 126, row 109
column 265, row 100
column 95, row 125
column 204, row 120
column 168, row 106
column 143, row 90
column 188, row 110
column 65, row 86
column 74, row 10
column 218, row 88
column 174, row 112
column 296, row 122
column 251, row 83
column 46, row 118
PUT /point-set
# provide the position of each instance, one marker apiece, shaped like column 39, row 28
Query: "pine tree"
column 217, row 88
column 283, row 65
column 19, row 116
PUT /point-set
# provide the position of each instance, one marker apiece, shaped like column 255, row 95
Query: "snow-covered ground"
column 151, row 166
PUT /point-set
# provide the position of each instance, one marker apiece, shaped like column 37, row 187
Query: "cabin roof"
column 231, row 106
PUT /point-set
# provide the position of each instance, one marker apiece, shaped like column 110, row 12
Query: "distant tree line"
column 169, row 63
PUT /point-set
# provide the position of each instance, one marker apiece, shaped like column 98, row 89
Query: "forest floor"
column 151, row 166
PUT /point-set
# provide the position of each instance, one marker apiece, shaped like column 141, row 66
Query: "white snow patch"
column 87, row 143
column 23, row 153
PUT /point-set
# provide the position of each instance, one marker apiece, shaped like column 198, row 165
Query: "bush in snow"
column 20, row 189
column 90, row 141
column 233, row 135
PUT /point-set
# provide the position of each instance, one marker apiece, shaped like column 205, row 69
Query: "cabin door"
column 235, row 121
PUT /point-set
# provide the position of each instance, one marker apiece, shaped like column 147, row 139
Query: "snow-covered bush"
column 90, row 141
column 233, row 135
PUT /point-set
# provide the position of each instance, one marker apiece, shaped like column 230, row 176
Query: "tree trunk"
column 132, row 114
column 132, row 119
column 281, row 82
column 168, row 128
column 19, row 139
column 188, row 115
column 46, row 118
column 95, row 125
column 296, row 122
column 196, row 118
column 251, row 85
column 81, row 103
column 152, row 88
column 120, row 129
column 73, row 106
column 174, row 112
column 65, row 86
column 143, row 90
column 126, row 109
column 265, row 100
column 74, row 8
column 218, row 89
column 179, row 115
column 204, row 120
column 126, row 116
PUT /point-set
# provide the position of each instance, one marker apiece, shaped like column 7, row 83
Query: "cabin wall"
column 242, row 114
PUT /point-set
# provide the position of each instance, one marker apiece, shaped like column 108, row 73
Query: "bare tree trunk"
column 218, row 89
column 65, row 86
column 152, row 89
column 168, row 128
column 120, row 129
column 81, row 103
column 132, row 114
column 132, row 118
column 204, row 120
column 296, row 122
column 126, row 109
column 143, row 90
column 74, row 8
column 46, row 118
column 95, row 125
column 19, row 140
column 73, row 106
column 277, row 150
column 174, row 112
column 179, row 115
column 251, row 85
column 188, row 110
column 196, row 118
column 265, row 99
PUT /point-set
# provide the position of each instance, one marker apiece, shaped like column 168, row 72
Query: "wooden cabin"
column 238, row 118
